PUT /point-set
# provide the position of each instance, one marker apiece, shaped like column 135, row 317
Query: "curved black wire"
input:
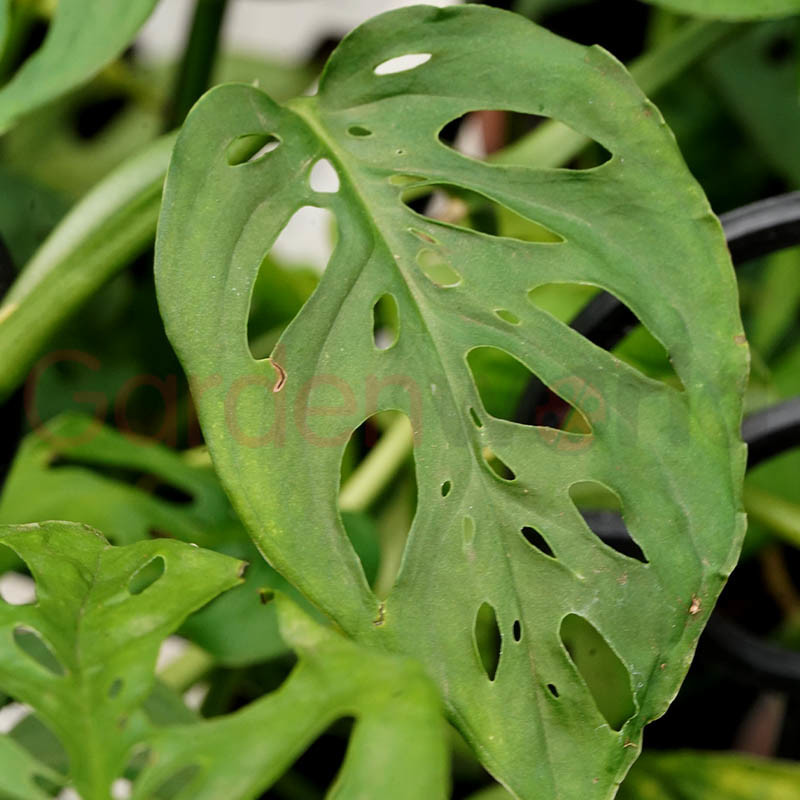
column 751, row 231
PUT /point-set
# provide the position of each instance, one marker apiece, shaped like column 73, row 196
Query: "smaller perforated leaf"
column 549, row 663
column 133, row 489
column 83, row 656
column 397, row 750
column 83, row 37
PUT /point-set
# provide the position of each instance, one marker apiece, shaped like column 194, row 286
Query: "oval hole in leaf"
column 501, row 381
column 251, row 147
column 551, row 687
column 17, row 589
column 378, row 534
column 472, row 211
column 488, row 639
column 446, row 486
column 359, row 131
column 324, row 177
column 437, row 269
column 507, row 316
column 468, row 531
column 600, row 667
column 33, row 644
column 385, row 322
column 602, row 510
column 536, row 540
column 497, row 465
column 146, row 575
column 517, row 631
column 479, row 133
column 402, row 63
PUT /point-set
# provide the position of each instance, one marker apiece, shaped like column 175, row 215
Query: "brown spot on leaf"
column 281, row 372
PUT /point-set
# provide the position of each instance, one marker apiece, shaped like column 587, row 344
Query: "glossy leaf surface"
column 638, row 226
column 83, row 655
column 83, row 37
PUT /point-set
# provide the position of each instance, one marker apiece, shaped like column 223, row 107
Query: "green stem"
column 194, row 74
column 553, row 144
column 113, row 223
column 780, row 516
column 378, row 468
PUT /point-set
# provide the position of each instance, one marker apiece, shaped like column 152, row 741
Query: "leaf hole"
column 33, row 644
column 507, row 316
column 146, row 575
column 497, row 465
column 287, row 276
column 551, row 687
column 476, row 420
column 401, row 179
column 445, row 488
column 601, row 509
column 324, row 177
column 423, row 237
column 359, row 131
column 488, row 639
column 502, row 380
column 536, row 540
column 468, row 531
column 437, row 269
column 379, row 532
column 251, row 147
column 474, row 212
column 385, row 322
column 17, row 589
column 600, row 668
column 516, row 631
column 478, row 134
column 402, row 63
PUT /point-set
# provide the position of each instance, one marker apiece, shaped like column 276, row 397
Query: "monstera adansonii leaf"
column 594, row 643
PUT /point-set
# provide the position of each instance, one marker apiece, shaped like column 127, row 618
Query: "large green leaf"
column 398, row 748
column 638, row 226
column 83, row 37
column 83, row 655
column 732, row 9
